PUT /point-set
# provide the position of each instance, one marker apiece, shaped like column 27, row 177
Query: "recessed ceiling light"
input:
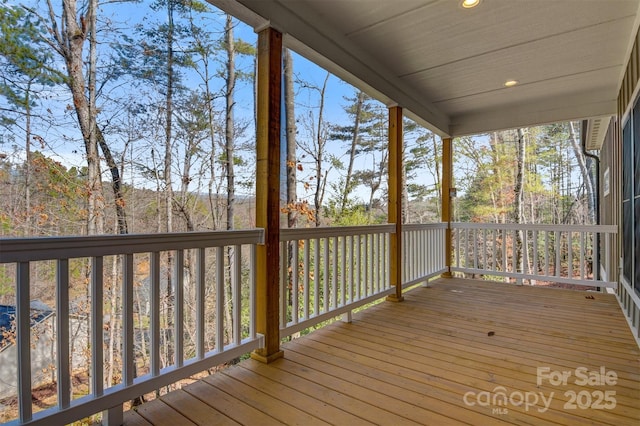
column 468, row 4
column 510, row 83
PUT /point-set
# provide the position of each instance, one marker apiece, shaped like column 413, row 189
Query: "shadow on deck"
column 446, row 355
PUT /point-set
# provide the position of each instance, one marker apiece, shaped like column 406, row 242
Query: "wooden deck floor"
column 414, row 362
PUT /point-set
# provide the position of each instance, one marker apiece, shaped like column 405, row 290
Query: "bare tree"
column 518, row 190
column 289, row 101
column 315, row 147
column 584, row 171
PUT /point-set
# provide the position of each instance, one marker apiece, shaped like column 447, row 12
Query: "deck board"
column 413, row 362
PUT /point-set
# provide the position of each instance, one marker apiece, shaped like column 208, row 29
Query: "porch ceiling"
column 447, row 65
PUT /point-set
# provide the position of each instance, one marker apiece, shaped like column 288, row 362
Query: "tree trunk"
column 71, row 44
column 183, row 198
column 116, row 183
column 229, row 122
column 320, row 144
column 584, row 171
column 169, row 123
column 27, row 171
column 437, row 159
column 168, row 189
column 518, row 202
column 230, row 153
column 289, row 101
column 213, row 199
column 352, row 152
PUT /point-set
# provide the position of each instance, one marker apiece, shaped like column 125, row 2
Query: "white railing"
column 423, row 252
column 545, row 253
column 630, row 305
column 207, row 279
column 326, row 272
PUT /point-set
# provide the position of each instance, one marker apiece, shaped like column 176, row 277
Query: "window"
column 631, row 198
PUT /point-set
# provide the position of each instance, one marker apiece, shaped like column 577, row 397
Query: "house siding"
column 609, row 195
column 43, row 355
column 612, row 158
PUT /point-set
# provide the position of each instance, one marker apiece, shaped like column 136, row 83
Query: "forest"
column 144, row 122
column 148, row 125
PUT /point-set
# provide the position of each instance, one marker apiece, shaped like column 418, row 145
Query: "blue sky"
column 63, row 141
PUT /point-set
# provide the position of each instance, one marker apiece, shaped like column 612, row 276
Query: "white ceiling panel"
column 447, row 65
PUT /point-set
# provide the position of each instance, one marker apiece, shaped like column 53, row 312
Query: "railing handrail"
column 290, row 234
column 47, row 248
column 605, row 229
column 410, row 227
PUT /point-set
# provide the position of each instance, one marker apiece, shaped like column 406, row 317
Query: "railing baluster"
column 200, row 303
column 305, row 289
column 411, row 259
column 457, row 246
column 581, row 254
column 361, row 252
column 366, row 265
column 155, row 312
column 430, row 245
column 417, row 263
column 252, row 292
column 63, row 372
column 316, row 276
column 558, row 255
column 356, row 268
column 410, row 245
column 525, row 252
column 97, row 331
column 178, row 309
column 351, row 267
column 374, row 264
column 405, row 261
column 385, row 258
column 546, row 253
column 220, row 298
column 570, row 254
column 23, row 340
column 127, row 320
column 294, row 274
column 347, row 244
column 505, row 252
column 423, row 254
column 582, row 250
column 334, row 284
column 514, row 254
column 284, row 284
column 375, row 275
column 430, row 249
column 236, row 295
column 494, row 248
column 534, row 265
column 475, row 249
column 607, row 253
column 327, row 274
column 441, row 253
column 467, row 258
column 470, row 255
column 484, row 249
column 378, row 259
